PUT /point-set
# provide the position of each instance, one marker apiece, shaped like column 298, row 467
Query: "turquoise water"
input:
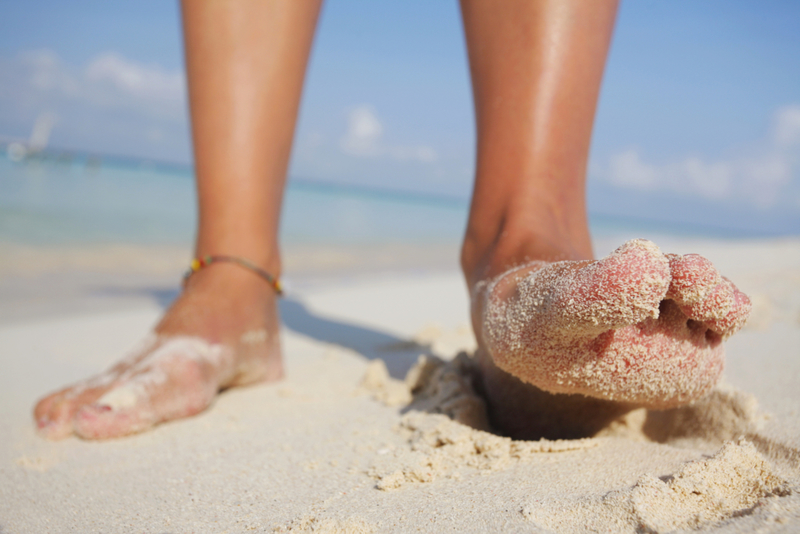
column 58, row 202
column 71, row 202
column 80, row 201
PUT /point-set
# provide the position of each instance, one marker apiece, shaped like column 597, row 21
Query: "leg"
column 536, row 69
column 548, row 320
column 245, row 63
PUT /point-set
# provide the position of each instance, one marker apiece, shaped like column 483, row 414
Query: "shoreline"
column 46, row 281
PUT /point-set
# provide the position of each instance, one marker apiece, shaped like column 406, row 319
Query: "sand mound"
column 441, row 447
column 732, row 483
column 432, row 386
column 446, row 426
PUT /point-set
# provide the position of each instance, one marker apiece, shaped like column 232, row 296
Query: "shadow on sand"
column 398, row 354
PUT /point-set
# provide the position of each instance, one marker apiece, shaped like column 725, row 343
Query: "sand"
column 366, row 436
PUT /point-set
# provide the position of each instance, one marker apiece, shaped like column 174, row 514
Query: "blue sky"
column 699, row 118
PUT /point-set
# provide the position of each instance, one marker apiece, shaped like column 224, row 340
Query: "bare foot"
column 637, row 328
column 221, row 332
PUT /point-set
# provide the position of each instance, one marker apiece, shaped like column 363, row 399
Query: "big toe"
column 54, row 414
column 621, row 289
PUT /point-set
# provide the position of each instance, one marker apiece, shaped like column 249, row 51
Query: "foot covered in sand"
column 637, row 327
column 221, row 332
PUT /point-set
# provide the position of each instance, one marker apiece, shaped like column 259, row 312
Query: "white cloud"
column 41, row 78
column 763, row 178
column 628, row 170
column 47, row 73
column 364, row 139
column 787, row 127
column 364, row 132
column 135, row 80
column 110, row 104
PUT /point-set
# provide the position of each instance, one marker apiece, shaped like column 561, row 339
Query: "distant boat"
column 40, row 135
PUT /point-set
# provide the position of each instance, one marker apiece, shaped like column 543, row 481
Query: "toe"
column 693, row 278
column 103, row 421
column 54, row 414
column 172, row 389
column 736, row 313
column 621, row 289
column 561, row 303
column 704, row 295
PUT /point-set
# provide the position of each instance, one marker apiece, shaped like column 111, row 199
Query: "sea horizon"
column 65, row 198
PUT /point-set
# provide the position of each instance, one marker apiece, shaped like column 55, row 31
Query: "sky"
column 698, row 120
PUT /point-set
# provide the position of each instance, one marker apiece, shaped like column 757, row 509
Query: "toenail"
column 101, row 407
column 44, row 423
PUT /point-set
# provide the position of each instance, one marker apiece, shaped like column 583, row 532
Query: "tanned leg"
column 246, row 62
column 566, row 343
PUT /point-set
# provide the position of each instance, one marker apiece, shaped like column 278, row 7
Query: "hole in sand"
column 447, row 427
column 451, row 388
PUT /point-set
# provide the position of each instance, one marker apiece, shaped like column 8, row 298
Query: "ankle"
column 254, row 252
column 221, row 277
column 536, row 236
column 221, row 302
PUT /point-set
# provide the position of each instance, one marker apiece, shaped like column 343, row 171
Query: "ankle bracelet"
column 205, row 261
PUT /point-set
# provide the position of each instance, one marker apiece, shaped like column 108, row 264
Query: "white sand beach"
column 327, row 451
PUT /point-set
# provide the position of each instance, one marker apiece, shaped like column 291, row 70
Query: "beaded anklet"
column 205, row 261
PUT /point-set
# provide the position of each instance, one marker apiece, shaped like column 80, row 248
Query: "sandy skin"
column 570, row 345
column 221, row 332
column 638, row 328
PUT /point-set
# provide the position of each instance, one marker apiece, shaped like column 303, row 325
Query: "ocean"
column 85, row 201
